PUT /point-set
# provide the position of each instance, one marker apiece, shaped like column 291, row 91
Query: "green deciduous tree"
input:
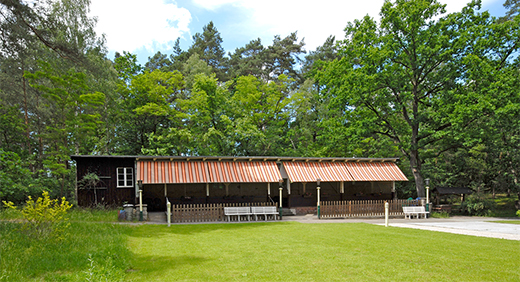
column 260, row 115
column 149, row 104
column 405, row 76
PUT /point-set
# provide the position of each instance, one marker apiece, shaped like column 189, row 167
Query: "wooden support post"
column 341, row 189
column 288, row 186
column 207, row 193
column 227, row 188
column 318, row 196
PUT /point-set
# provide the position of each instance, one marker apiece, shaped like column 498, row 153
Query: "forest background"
column 437, row 90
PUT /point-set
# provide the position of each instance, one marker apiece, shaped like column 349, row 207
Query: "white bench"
column 265, row 211
column 238, row 211
column 409, row 212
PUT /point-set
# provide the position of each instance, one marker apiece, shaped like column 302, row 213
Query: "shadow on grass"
column 190, row 229
column 158, row 264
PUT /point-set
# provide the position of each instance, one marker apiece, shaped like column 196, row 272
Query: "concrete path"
column 466, row 225
column 473, row 228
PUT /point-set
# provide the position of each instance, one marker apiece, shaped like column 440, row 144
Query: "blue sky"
column 144, row 29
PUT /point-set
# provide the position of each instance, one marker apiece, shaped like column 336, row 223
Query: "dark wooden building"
column 205, row 180
column 116, row 180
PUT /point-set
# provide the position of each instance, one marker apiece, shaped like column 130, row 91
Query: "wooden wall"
column 107, row 192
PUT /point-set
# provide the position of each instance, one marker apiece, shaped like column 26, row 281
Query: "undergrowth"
column 86, row 251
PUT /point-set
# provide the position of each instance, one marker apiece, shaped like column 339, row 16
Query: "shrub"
column 518, row 213
column 44, row 218
column 477, row 204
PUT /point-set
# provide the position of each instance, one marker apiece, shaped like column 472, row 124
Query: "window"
column 125, row 177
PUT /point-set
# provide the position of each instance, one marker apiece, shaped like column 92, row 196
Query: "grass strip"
column 507, row 221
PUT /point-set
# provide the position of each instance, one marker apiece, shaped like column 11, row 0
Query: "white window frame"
column 128, row 177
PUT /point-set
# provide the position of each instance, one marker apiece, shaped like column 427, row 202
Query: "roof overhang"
column 242, row 158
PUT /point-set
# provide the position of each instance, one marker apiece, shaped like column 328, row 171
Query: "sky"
column 143, row 29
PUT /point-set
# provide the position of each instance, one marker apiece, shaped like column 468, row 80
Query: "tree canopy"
column 437, row 90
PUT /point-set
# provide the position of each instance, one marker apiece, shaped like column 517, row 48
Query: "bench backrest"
column 243, row 210
column 414, row 209
column 263, row 210
column 270, row 209
column 236, row 210
column 257, row 210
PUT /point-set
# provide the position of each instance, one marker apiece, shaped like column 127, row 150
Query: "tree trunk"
column 26, row 116
column 415, row 166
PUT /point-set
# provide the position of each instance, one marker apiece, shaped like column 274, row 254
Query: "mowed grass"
column 291, row 251
column 94, row 250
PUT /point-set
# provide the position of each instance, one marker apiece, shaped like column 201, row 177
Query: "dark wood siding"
column 106, row 192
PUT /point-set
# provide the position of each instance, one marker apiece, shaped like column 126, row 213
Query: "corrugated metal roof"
column 311, row 171
column 153, row 172
column 243, row 172
column 375, row 171
column 175, row 169
column 159, row 172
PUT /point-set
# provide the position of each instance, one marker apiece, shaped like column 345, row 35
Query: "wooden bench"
column 238, row 211
column 409, row 212
column 265, row 211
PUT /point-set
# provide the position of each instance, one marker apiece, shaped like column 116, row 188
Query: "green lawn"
column 293, row 251
column 93, row 250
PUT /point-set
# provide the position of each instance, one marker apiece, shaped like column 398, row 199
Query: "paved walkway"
column 474, row 228
column 466, row 225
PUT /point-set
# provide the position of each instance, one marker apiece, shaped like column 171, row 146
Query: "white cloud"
column 314, row 20
column 132, row 24
column 149, row 26
column 215, row 4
